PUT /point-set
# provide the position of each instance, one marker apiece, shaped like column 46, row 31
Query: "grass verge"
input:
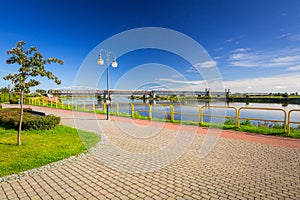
column 41, row 147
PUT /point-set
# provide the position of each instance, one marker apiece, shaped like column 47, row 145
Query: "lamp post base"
column 107, row 111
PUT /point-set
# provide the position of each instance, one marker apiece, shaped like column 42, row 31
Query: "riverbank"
column 285, row 100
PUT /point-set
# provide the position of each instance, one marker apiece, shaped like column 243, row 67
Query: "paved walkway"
column 151, row 160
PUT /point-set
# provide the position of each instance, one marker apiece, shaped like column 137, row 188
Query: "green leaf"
column 32, row 64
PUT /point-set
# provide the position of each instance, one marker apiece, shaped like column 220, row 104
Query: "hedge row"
column 8, row 98
column 10, row 118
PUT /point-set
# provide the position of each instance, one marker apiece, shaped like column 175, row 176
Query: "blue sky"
column 254, row 44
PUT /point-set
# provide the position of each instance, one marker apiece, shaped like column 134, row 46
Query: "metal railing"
column 289, row 122
column 168, row 111
column 261, row 119
column 201, row 114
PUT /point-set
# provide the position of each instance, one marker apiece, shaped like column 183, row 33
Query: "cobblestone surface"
column 151, row 162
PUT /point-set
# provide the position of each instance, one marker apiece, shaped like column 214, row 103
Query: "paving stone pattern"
column 149, row 162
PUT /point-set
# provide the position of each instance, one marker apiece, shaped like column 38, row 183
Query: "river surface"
column 188, row 110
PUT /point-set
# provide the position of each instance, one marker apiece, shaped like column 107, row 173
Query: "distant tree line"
column 6, row 96
column 283, row 94
column 4, row 90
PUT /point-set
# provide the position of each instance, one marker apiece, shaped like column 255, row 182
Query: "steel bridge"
column 149, row 93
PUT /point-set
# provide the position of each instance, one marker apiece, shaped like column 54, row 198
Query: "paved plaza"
column 152, row 160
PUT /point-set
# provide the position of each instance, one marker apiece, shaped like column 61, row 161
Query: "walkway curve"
column 241, row 166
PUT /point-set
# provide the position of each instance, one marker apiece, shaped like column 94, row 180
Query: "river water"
column 188, row 110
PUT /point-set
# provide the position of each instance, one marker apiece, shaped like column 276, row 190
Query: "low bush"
column 14, row 101
column 246, row 123
column 10, row 118
column 230, row 121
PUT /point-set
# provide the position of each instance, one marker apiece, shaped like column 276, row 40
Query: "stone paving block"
column 234, row 169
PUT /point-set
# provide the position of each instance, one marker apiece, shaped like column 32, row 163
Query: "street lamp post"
column 114, row 64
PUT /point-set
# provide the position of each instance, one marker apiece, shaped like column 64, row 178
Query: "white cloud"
column 280, row 83
column 202, row 65
column 176, row 76
column 154, row 87
column 219, row 49
column 252, row 58
column 289, row 36
column 280, row 87
column 283, row 35
column 286, row 59
column 217, row 57
column 241, row 50
column 206, row 64
column 294, row 68
column 186, row 82
column 228, row 41
column 238, row 56
column 234, row 39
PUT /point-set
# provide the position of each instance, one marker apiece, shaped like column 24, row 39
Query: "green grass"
column 41, row 147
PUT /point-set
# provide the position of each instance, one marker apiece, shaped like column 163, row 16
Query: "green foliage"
column 9, row 118
column 41, row 91
column 137, row 115
column 14, row 101
column 277, row 126
column 5, row 97
column 32, row 64
column 4, row 90
column 285, row 94
column 35, row 94
column 230, row 121
column 246, row 123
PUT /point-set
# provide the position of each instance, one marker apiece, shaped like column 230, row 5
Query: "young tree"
column 32, row 65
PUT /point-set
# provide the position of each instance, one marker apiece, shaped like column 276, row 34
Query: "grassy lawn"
column 41, row 147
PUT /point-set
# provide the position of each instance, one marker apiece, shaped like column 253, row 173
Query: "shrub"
column 246, row 122
column 277, row 126
column 9, row 118
column 230, row 121
column 14, row 101
column 7, row 97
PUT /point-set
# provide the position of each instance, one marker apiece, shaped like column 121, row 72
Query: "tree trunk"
column 21, row 117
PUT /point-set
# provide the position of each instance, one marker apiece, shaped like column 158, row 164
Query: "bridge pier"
column 207, row 92
column 227, row 92
column 145, row 96
column 153, row 95
column 106, row 97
